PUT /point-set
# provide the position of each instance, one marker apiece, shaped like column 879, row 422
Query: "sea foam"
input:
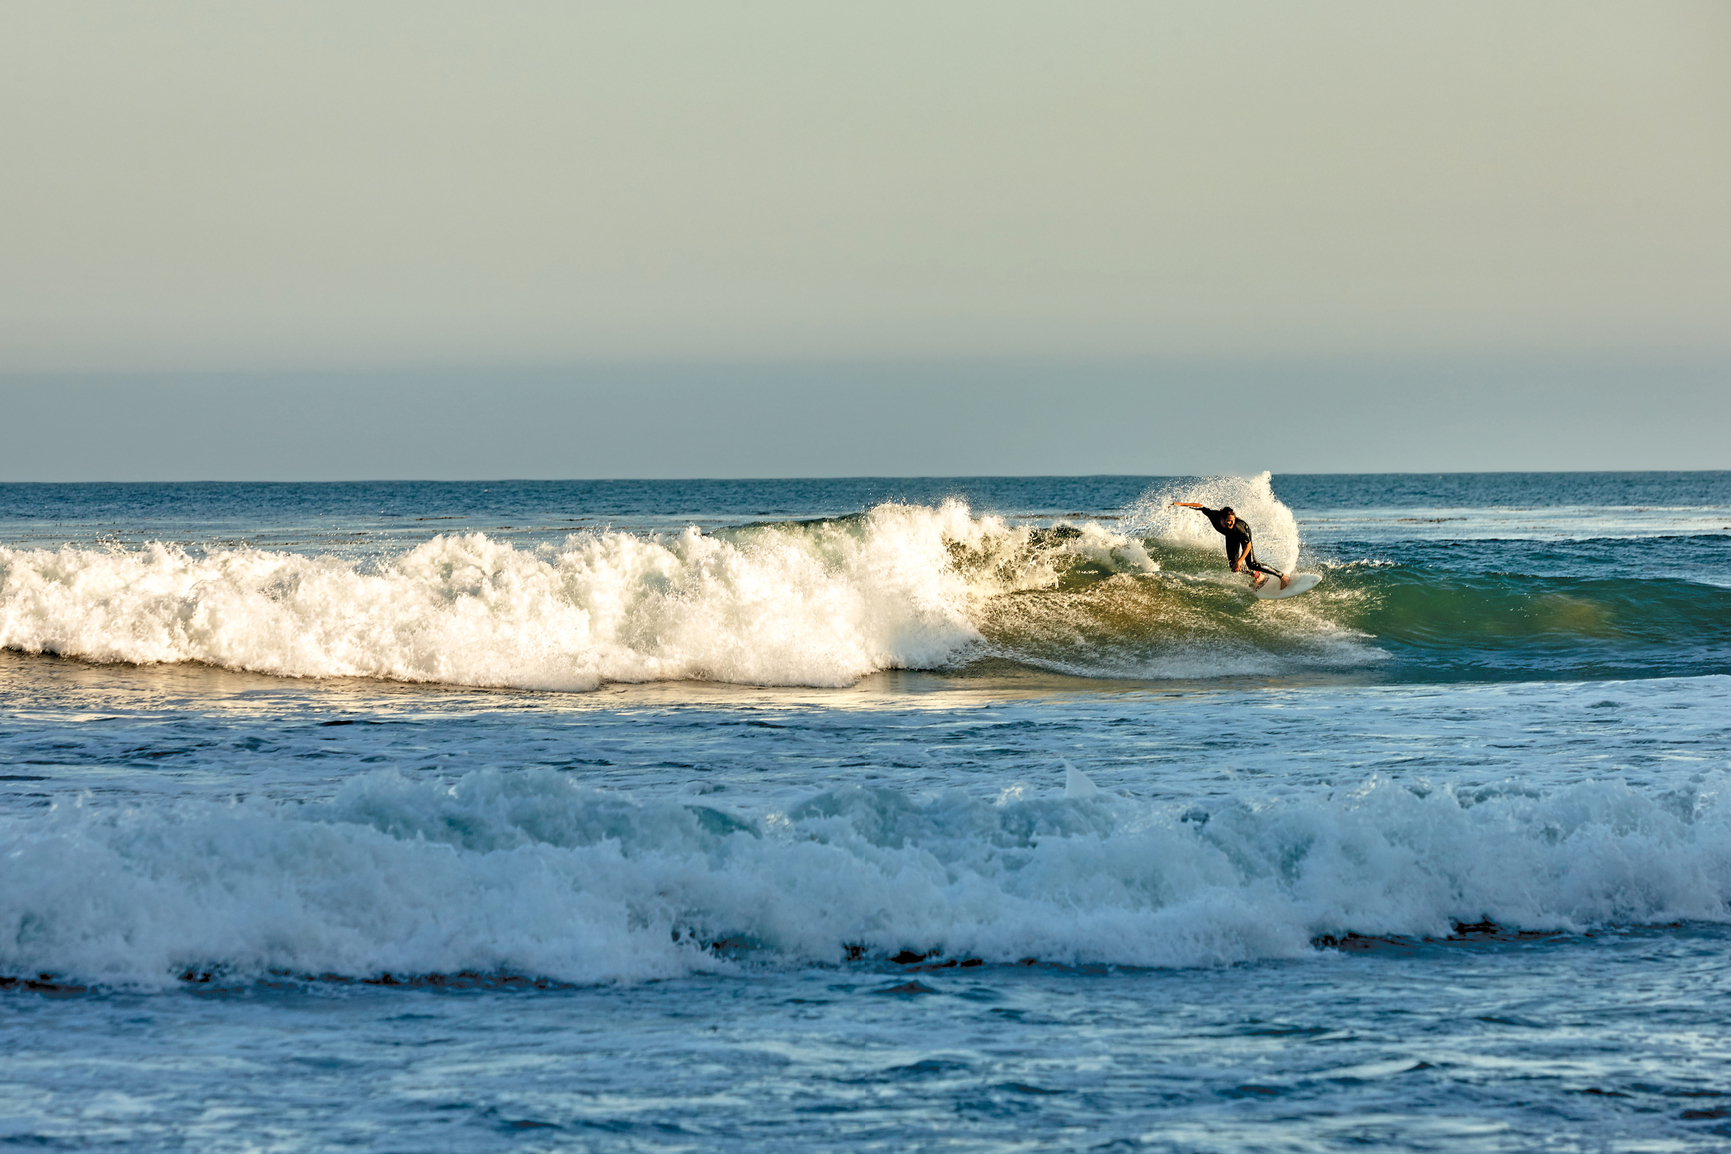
column 1275, row 529
column 529, row 873
column 818, row 604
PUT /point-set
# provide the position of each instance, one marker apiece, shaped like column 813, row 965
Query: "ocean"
column 870, row 814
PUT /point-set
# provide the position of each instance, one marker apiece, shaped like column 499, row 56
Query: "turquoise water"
column 962, row 813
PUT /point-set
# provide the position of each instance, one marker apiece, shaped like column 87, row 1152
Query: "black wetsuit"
column 1238, row 541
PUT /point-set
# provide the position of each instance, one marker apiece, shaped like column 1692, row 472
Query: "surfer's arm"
column 1214, row 515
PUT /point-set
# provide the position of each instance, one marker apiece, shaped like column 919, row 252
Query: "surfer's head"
column 1229, row 514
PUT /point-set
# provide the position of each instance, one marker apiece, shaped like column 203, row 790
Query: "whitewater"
column 530, row 874
column 980, row 813
column 821, row 603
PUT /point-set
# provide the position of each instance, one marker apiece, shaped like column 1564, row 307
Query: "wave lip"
column 528, row 873
column 1273, row 525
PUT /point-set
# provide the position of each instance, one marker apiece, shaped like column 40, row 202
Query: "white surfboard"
column 1301, row 583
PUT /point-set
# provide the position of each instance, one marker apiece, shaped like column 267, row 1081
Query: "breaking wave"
column 814, row 603
column 826, row 602
column 530, row 873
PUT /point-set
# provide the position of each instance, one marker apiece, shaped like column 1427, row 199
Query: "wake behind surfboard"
column 1301, row 583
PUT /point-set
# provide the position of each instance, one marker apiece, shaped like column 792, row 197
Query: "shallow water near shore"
column 1498, row 1046
column 789, row 815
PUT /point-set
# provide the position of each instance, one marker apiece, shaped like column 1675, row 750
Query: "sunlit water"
column 832, row 828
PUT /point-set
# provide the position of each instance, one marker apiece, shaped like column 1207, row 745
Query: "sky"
column 321, row 240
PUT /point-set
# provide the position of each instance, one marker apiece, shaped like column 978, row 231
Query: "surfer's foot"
column 1260, row 580
column 1285, row 580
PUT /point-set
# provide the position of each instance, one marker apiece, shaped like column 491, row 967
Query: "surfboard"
column 1301, row 583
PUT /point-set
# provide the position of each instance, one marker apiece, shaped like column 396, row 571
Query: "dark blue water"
column 630, row 502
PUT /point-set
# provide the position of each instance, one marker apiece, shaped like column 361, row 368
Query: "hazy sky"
column 1198, row 187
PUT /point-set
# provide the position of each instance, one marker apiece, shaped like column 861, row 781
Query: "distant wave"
column 529, row 873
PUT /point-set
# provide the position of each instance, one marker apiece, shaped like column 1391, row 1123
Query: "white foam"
column 528, row 873
column 818, row 604
column 1274, row 527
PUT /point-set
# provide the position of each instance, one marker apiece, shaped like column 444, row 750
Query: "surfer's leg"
column 1257, row 567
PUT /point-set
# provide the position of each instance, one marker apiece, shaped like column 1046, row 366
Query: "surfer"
column 1239, row 550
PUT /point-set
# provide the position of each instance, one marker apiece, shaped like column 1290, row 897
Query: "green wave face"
column 1506, row 625
column 1393, row 620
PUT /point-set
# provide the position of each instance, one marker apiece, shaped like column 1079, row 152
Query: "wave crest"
column 530, row 873
column 815, row 605
column 819, row 603
column 1273, row 525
